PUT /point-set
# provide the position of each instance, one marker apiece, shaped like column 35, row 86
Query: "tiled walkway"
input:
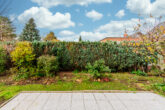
column 86, row 101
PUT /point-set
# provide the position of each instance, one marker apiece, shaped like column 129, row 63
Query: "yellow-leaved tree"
column 152, row 41
column 51, row 37
column 23, row 56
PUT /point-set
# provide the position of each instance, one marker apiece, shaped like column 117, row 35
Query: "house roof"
column 120, row 39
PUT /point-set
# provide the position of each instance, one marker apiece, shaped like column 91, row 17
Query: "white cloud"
column 94, row 15
column 120, row 14
column 69, row 38
column 116, row 28
column 146, row 7
column 45, row 19
column 51, row 3
column 67, row 35
column 92, row 36
column 111, row 29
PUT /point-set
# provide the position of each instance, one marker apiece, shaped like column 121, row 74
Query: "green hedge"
column 76, row 55
column 3, row 60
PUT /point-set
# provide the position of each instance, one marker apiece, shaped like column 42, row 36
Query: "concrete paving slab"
column 85, row 101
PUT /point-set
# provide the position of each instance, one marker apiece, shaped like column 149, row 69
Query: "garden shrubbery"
column 98, row 69
column 3, row 60
column 46, row 58
column 22, row 55
column 63, row 57
column 23, row 58
column 139, row 72
column 47, row 65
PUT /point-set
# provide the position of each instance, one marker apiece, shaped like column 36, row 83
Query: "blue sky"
column 92, row 19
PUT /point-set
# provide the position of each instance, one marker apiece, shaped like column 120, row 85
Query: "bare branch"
column 4, row 6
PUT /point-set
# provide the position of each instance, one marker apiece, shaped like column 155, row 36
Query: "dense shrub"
column 3, row 60
column 139, row 72
column 156, row 71
column 98, row 69
column 23, row 55
column 59, row 49
column 47, row 65
column 23, row 58
column 64, row 58
column 159, row 87
column 25, row 73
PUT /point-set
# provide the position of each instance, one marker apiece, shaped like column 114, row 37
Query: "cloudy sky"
column 92, row 19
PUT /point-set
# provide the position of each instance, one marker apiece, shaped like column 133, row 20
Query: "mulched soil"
column 2, row 101
column 62, row 76
column 67, row 76
column 9, row 80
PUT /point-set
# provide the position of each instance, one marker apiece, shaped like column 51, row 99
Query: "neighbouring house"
column 135, row 37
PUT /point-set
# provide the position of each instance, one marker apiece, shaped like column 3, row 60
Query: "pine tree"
column 51, row 37
column 6, row 29
column 30, row 32
column 80, row 39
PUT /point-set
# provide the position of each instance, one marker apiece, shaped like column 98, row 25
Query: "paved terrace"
column 85, row 101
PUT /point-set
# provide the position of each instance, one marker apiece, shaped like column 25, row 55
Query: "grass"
column 120, row 81
column 7, row 92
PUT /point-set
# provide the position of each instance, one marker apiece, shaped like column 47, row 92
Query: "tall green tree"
column 6, row 29
column 80, row 39
column 30, row 32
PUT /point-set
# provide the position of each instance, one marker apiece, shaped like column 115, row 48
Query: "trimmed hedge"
column 76, row 55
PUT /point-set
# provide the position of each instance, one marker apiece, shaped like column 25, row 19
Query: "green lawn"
column 120, row 81
column 7, row 92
